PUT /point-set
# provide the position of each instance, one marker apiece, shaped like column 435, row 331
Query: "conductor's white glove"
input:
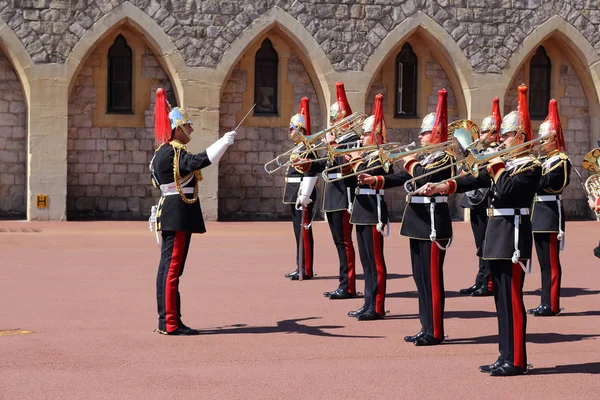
column 216, row 150
column 229, row 136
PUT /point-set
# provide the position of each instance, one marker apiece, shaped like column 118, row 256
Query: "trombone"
column 464, row 135
column 386, row 153
column 473, row 160
column 308, row 143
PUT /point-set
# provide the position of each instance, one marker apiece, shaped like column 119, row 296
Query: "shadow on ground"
column 450, row 314
column 285, row 326
column 587, row 368
column 566, row 292
column 538, row 338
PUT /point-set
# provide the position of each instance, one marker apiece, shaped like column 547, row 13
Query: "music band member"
column 178, row 215
column 299, row 193
column 426, row 222
column 477, row 202
column 547, row 221
column 508, row 239
column 370, row 215
column 338, row 198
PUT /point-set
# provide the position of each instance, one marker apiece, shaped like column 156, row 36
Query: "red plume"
column 497, row 117
column 162, row 126
column 341, row 98
column 440, row 126
column 379, row 122
column 524, row 120
column 305, row 112
column 555, row 120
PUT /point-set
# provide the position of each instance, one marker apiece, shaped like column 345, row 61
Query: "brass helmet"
column 427, row 124
column 341, row 108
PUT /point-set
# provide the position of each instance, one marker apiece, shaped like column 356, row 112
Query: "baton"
column 245, row 116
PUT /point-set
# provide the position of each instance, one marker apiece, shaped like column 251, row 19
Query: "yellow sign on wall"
column 42, row 201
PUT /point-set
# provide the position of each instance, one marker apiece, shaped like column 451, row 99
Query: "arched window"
column 265, row 79
column 406, row 83
column 119, row 99
column 539, row 84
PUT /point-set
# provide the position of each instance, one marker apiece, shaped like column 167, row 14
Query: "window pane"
column 266, row 65
column 408, row 83
column 265, row 99
column 120, row 77
column 399, row 88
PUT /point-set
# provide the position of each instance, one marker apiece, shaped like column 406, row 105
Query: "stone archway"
column 246, row 191
column 572, row 85
column 108, row 154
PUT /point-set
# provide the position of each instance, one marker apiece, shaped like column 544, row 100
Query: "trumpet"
column 308, row 143
column 591, row 162
column 383, row 153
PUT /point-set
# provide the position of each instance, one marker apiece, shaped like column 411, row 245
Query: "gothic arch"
column 461, row 74
column 312, row 55
column 580, row 49
column 168, row 54
column 17, row 55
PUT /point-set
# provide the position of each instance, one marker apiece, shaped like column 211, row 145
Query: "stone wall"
column 13, row 143
column 246, row 191
column 487, row 32
column 107, row 168
column 574, row 111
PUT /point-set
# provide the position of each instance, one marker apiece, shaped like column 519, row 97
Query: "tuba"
column 591, row 162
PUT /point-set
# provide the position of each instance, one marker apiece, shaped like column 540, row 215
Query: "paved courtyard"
column 77, row 310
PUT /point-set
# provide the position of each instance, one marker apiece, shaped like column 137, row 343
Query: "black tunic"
column 555, row 178
column 336, row 193
column 514, row 188
column 173, row 213
column 293, row 178
column 416, row 222
column 364, row 207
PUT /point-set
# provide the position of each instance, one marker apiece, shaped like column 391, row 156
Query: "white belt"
column 495, row 212
column 428, row 200
column 558, row 199
column 369, row 191
column 171, row 188
column 548, row 197
column 293, row 180
column 377, row 193
column 431, row 201
column 172, row 191
column 334, row 176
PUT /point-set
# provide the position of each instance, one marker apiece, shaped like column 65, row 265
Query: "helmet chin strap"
column 185, row 132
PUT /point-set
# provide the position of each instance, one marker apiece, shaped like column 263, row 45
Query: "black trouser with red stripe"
column 173, row 254
column 508, row 279
column 370, row 249
column 547, row 247
column 427, row 268
column 479, row 219
column 307, row 239
column 341, row 231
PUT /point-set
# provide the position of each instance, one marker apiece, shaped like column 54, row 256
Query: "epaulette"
column 562, row 158
column 527, row 166
column 438, row 163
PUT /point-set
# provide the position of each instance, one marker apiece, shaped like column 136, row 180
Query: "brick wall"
column 108, row 176
column 246, row 191
column 13, row 143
